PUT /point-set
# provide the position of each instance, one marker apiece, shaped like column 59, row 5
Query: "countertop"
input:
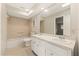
column 64, row 43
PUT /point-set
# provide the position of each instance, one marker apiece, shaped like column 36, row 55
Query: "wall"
column 3, row 28
column 0, row 29
column 78, row 28
column 18, row 27
column 74, row 25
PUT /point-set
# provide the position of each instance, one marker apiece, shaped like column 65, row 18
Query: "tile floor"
column 19, row 51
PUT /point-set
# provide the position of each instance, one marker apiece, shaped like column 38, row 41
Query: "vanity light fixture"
column 42, row 8
column 66, row 4
column 45, row 10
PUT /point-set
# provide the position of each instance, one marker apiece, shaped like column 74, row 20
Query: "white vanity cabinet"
column 44, row 48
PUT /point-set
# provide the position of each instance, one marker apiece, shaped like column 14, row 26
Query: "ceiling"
column 28, row 10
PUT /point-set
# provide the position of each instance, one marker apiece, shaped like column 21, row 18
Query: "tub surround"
column 46, row 40
column 18, row 27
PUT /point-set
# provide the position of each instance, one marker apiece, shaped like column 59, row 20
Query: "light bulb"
column 45, row 10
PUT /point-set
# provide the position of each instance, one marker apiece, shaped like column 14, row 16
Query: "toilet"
column 27, row 42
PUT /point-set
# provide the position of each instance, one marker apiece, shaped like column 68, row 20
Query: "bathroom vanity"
column 49, row 45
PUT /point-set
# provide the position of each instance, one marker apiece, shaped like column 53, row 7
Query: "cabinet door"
column 38, row 46
column 33, row 43
column 41, row 48
column 53, row 50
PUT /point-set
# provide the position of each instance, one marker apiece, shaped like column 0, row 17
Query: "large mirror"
column 58, row 23
column 56, row 20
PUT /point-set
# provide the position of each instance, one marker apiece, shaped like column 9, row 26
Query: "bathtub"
column 12, row 43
